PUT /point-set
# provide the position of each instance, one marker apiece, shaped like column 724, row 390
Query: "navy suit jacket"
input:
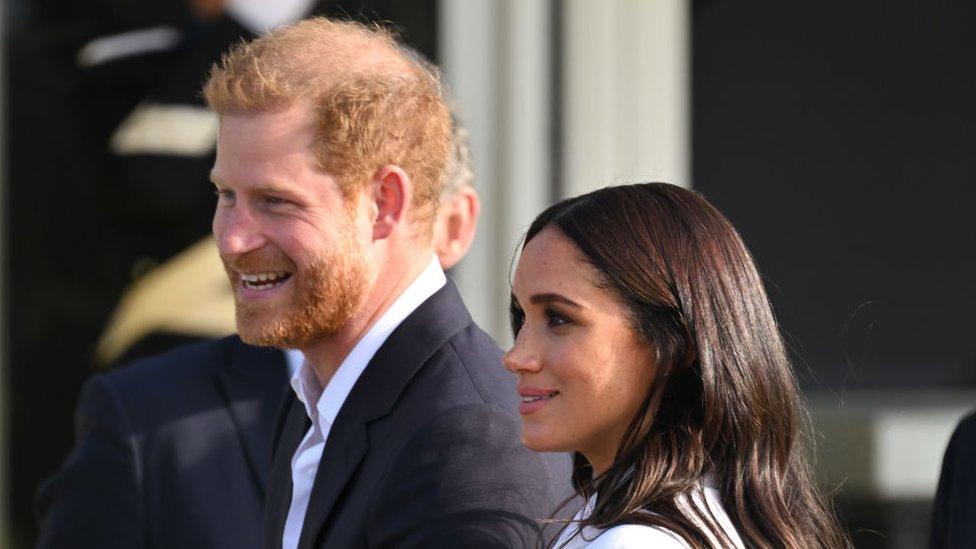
column 426, row 450
column 954, row 512
column 171, row 452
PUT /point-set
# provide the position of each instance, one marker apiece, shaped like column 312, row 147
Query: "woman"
column 645, row 343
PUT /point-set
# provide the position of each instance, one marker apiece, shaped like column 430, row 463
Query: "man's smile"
column 264, row 280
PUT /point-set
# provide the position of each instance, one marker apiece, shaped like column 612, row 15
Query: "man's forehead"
column 262, row 142
column 287, row 116
column 269, row 134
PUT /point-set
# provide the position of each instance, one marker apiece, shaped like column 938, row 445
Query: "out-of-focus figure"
column 954, row 511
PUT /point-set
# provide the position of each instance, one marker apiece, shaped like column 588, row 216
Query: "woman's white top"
column 632, row 536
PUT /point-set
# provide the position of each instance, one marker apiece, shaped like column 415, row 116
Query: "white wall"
column 627, row 93
column 495, row 57
column 624, row 114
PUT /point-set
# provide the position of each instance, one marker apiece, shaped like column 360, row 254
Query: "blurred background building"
column 837, row 136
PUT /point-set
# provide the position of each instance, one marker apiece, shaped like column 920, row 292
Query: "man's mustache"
column 259, row 260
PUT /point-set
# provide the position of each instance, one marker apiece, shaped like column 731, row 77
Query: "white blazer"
column 634, row 536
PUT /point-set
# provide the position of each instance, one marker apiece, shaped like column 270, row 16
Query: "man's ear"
column 456, row 224
column 391, row 193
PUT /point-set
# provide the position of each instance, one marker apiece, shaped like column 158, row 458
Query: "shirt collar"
column 328, row 400
column 293, row 359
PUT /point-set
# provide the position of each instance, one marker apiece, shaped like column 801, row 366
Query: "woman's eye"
column 554, row 319
column 517, row 318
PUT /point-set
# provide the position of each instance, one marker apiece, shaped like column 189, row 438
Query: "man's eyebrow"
column 277, row 189
column 267, row 188
column 542, row 299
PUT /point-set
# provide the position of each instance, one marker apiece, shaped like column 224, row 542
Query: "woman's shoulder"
column 629, row 536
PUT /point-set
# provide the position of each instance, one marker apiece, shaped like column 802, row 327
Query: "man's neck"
column 326, row 355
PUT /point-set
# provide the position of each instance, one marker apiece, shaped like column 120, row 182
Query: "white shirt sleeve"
column 634, row 536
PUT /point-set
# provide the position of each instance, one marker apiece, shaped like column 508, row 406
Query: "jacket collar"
column 373, row 396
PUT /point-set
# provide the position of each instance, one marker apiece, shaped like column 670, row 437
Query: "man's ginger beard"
column 325, row 293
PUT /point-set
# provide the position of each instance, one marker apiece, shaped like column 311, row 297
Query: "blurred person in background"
column 645, row 343
column 954, row 509
column 128, row 482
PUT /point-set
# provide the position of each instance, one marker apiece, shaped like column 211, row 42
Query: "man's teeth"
column 264, row 280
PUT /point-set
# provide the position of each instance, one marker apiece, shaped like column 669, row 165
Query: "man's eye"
column 274, row 200
column 224, row 195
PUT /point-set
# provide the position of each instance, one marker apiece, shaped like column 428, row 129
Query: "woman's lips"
column 534, row 398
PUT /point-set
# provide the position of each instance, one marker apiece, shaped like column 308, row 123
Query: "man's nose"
column 237, row 231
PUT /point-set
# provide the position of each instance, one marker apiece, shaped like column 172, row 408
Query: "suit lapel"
column 345, row 448
column 373, row 396
column 252, row 383
column 292, row 431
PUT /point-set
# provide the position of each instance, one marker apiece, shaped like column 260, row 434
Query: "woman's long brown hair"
column 724, row 400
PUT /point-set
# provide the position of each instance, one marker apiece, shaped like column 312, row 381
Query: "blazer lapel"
column 253, row 383
column 278, row 501
column 373, row 396
column 344, row 449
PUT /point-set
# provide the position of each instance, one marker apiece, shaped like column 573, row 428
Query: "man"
column 400, row 430
column 954, row 512
column 116, row 492
column 458, row 215
column 186, row 299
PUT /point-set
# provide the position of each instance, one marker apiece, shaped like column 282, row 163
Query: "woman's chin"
column 540, row 442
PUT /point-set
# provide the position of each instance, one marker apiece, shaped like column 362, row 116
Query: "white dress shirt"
column 635, row 536
column 322, row 404
column 293, row 359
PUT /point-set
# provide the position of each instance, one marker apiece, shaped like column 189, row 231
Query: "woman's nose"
column 520, row 358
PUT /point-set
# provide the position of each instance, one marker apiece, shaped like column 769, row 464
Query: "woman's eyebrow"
column 553, row 298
